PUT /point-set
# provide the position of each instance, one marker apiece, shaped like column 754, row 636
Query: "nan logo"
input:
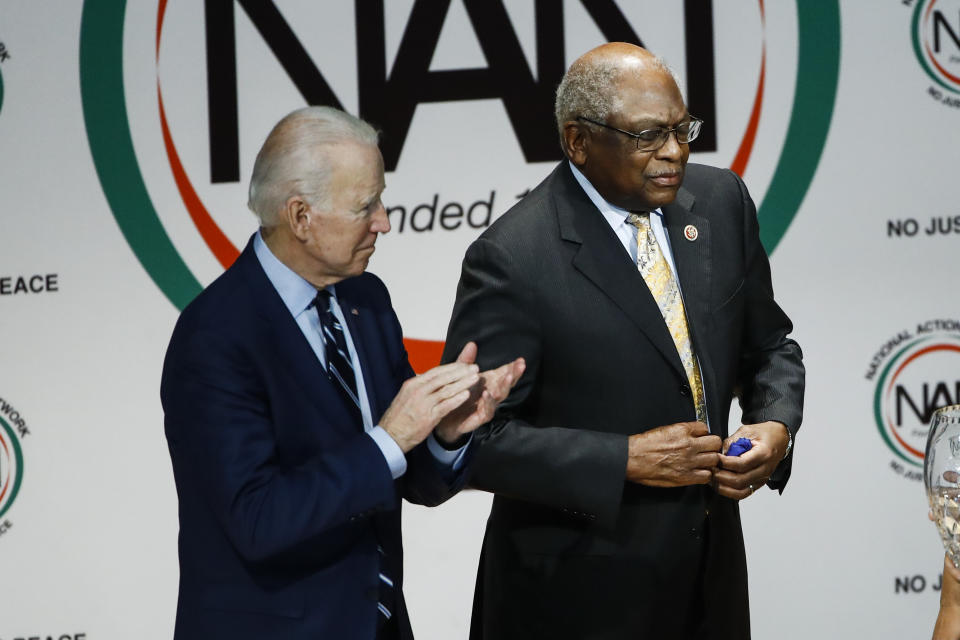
column 915, row 373
column 13, row 428
column 479, row 69
column 935, row 35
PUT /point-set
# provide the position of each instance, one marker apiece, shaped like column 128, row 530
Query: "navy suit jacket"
column 283, row 499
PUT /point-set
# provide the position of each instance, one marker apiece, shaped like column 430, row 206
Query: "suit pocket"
column 241, row 598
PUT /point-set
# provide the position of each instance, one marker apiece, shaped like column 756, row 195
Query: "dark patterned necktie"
column 387, row 595
column 339, row 367
column 340, row 371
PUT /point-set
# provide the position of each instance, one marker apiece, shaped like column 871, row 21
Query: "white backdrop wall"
column 127, row 134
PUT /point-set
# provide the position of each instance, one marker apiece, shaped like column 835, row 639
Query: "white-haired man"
column 637, row 290
column 294, row 422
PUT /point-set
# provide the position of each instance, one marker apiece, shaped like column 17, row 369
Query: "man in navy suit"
column 294, row 421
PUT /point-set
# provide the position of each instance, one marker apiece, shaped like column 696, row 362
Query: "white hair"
column 295, row 158
column 589, row 89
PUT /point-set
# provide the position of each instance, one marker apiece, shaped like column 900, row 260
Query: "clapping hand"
column 493, row 388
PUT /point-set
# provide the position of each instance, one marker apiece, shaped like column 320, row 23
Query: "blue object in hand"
column 740, row 447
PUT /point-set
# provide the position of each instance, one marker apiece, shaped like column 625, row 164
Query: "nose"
column 671, row 149
column 379, row 221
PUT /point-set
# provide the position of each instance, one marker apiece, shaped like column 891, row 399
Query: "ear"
column 296, row 214
column 576, row 142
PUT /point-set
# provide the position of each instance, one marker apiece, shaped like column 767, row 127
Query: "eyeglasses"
column 653, row 139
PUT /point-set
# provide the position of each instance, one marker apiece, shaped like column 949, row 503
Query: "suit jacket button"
column 684, row 390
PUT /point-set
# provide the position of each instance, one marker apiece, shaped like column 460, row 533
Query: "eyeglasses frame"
column 636, row 136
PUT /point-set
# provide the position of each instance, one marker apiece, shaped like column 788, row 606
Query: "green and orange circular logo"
column 11, row 461
column 121, row 123
column 918, row 377
column 935, row 32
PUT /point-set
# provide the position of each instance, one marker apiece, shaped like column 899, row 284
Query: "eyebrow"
column 366, row 202
column 653, row 123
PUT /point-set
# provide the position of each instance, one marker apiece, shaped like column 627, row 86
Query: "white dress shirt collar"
column 613, row 213
column 616, row 217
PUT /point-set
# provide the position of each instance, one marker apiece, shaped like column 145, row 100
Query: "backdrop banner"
column 128, row 132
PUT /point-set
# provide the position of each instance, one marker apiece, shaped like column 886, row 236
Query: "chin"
column 662, row 198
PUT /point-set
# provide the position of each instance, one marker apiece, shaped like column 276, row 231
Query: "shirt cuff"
column 452, row 459
column 391, row 451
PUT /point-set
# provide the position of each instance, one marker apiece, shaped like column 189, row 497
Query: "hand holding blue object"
column 740, row 447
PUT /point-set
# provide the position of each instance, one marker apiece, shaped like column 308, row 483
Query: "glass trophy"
column 941, row 475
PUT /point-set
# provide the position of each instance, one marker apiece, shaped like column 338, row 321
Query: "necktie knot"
column 639, row 220
column 322, row 301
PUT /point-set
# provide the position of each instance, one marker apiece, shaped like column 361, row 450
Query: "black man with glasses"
column 637, row 289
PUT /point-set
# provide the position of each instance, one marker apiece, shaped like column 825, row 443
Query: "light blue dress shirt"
column 617, row 219
column 627, row 233
column 298, row 295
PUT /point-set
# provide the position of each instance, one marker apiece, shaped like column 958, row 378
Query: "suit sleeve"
column 222, row 441
column 577, row 470
column 770, row 381
column 427, row 481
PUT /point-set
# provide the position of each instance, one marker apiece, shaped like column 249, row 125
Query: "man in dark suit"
column 638, row 292
column 294, row 422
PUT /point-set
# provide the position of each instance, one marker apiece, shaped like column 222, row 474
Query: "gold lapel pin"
column 690, row 232
column 354, row 311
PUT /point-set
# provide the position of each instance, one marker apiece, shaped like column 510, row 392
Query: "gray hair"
column 588, row 89
column 295, row 159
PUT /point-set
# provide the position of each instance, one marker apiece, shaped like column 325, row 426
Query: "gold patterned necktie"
column 656, row 273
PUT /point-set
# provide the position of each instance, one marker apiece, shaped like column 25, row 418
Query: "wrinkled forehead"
column 646, row 96
column 357, row 166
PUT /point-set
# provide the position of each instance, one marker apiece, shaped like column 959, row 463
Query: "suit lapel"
column 347, row 306
column 289, row 346
column 691, row 257
column 601, row 259
column 694, row 266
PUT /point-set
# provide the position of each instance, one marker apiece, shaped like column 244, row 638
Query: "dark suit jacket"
column 283, row 498
column 571, row 549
